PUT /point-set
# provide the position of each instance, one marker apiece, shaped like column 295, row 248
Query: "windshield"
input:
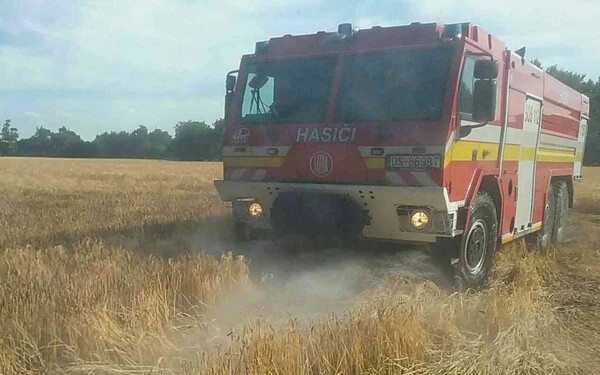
column 406, row 85
column 290, row 91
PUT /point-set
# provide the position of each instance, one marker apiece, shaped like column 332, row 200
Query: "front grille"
column 317, row 214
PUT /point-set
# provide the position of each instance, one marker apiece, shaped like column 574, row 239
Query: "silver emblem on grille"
column 321, row 164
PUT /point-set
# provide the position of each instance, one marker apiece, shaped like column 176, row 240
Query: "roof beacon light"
column 344, row 33
column 452, row 32
column 261, row 47
column 345, row 30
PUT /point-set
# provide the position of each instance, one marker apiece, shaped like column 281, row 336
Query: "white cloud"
column 33, row 114
column 166, row 59
column 538, row 24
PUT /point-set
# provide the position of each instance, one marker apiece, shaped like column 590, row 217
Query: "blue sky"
column 102, row 65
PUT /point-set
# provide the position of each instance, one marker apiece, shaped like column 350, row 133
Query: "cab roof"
column 378, row 37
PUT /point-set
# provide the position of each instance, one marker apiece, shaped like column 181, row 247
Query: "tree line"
column 196, row 140
column 193, row 140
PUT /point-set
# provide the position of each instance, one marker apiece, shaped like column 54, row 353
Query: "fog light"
column 255, row 210
column 419, row 220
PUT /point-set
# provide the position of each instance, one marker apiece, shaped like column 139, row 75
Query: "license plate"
column 414, row 161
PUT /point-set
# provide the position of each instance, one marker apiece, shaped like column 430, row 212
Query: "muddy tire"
column 542, row 239
column 561, row 196
column 475, row 254
column 241, row 232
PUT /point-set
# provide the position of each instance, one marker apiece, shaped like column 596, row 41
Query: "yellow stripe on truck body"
column 253, row 161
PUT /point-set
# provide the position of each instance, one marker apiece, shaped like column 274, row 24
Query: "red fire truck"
column 423, row 133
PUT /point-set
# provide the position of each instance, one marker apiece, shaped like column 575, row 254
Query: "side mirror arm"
column 465, row 130
column 230, row 81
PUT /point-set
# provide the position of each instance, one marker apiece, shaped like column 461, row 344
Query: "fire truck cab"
column 423, row 133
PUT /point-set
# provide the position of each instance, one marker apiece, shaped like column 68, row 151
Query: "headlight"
column 255, row 210
column 419, row 220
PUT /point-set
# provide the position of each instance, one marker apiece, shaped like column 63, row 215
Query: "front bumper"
column 387, row 206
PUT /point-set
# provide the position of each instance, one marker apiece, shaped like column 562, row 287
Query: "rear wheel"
column 543, row 238
column 561, row 196
column 476, row 250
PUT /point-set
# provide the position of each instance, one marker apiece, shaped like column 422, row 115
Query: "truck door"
column 577, row 172
column 527, row 159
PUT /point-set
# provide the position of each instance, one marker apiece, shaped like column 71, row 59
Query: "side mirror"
column 230, row 83
column 345, row 29
column 258, row 81
column 229, row 87
column 486, row 69
column 484, row 100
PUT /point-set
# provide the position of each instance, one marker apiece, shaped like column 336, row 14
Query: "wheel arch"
column 486, row 181
column 491, row 185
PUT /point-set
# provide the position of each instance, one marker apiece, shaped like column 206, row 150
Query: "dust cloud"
column 308, row 283
column 305, row 284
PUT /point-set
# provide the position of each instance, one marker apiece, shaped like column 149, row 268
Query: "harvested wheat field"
column 127, row 266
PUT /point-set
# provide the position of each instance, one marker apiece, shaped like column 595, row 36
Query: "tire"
column 561, row 196
column 241, row 232
column 475, row 254
column 544, row 235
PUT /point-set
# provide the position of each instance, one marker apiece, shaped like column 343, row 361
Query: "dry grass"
column 587, row 195
column 90, row 301
column 98, row 303
column 540, row 316
column 93, row 307
column 45, row 201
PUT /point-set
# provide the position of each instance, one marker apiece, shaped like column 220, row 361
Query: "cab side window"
column 467, row 80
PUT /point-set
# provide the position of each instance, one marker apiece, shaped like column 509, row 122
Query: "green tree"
column 139, row 143
column 160, row 141
column 112, row 145
column 191, row 141
column 196, row 140
column 63, row 143
column 39, row 144
column 66, row 143
column 217, row 136
column 8, row 139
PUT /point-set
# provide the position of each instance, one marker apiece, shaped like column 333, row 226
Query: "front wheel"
column 476, row 250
